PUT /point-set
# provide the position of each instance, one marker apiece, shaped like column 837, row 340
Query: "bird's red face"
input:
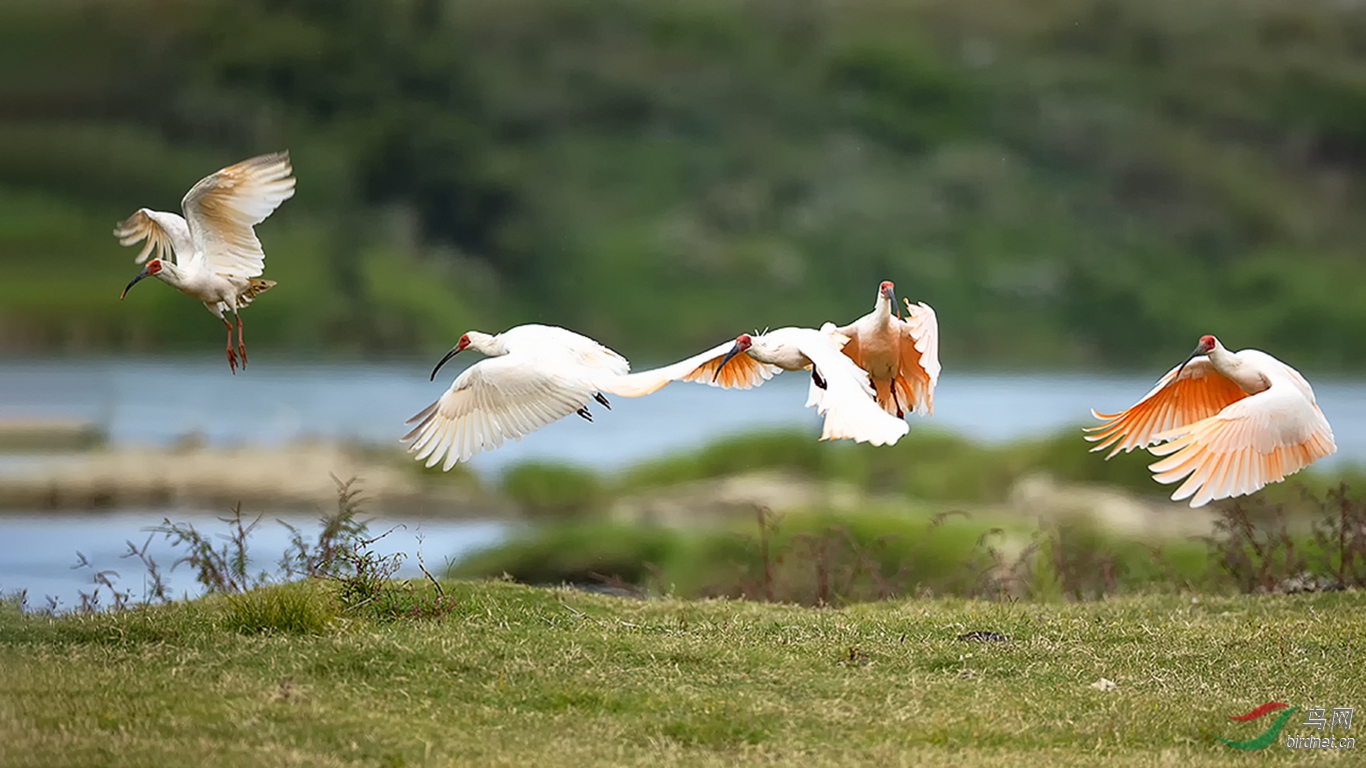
column 1203, row 348
column 888, row 290
column 153, row 266
column 464, row 342
column 742, row 342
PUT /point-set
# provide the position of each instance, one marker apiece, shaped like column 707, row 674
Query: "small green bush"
column 575, row 552
column 298, row 608
column 547, row 489
column 793, row 450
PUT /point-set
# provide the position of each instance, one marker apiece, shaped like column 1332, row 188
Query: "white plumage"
column 535, row 375
column 212, row 254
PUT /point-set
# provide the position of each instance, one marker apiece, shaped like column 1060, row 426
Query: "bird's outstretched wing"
column 223, row 207
column 742, row 372
column 919, row 358
column 494, row 400
column 165, row 233
column 1199, row 393
column 1256, row 440
column 847, row 401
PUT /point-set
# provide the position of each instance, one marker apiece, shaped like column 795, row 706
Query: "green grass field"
column 514, row 675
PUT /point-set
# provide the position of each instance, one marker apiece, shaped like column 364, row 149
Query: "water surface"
column 38, row 550
column 274, row 402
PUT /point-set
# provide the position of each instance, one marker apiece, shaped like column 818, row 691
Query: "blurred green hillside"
column 1068, row 182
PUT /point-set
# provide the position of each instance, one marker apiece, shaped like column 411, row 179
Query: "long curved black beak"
column 1193, row 355
column 735, row 350
column 133, row 282
column 454, row 351
column 891, row 296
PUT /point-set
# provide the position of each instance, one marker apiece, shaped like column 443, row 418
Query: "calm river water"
column 274, row 401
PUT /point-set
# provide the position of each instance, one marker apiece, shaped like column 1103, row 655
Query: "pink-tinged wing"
column 223, row 208
column 1199, row 393
column 1257, row 440
column 742, row 372
column 165, row 233
column 919, row 358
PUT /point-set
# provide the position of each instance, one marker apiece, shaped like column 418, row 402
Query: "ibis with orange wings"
column 900, row 356
column 1226, row 422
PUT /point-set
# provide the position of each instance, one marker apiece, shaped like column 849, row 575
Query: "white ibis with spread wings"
column 534, row 375
column 212, row 254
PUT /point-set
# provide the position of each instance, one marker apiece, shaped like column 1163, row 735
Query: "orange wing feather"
column 742, row 371
column 851, row 349
column 1201, row 392
column 1256, row 441
column 919, row 359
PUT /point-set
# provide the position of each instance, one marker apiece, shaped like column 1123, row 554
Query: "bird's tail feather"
column 911, row 396
column 862, row 425
column 255, row 287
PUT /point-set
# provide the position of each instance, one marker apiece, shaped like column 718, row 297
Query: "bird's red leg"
column 232, row 357
column 241, row 348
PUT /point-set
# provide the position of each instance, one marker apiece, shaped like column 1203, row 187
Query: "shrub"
column 301, row 608
column 546, row 489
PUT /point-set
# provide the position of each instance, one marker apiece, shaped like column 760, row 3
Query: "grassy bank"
column 519, row 676
column 935, row 514
column 928, row 465
column 839, row 558
column 819, row 558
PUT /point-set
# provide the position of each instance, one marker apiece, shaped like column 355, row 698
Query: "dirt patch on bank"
column 298, row 475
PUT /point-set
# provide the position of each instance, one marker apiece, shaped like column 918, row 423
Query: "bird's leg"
column 241, row 348
column 598, row 396
column 232, row 356
column 816, row 378
column 900, row 414
column 584, row 413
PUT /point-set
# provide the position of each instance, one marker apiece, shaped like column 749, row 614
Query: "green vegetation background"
column 1068, row 182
